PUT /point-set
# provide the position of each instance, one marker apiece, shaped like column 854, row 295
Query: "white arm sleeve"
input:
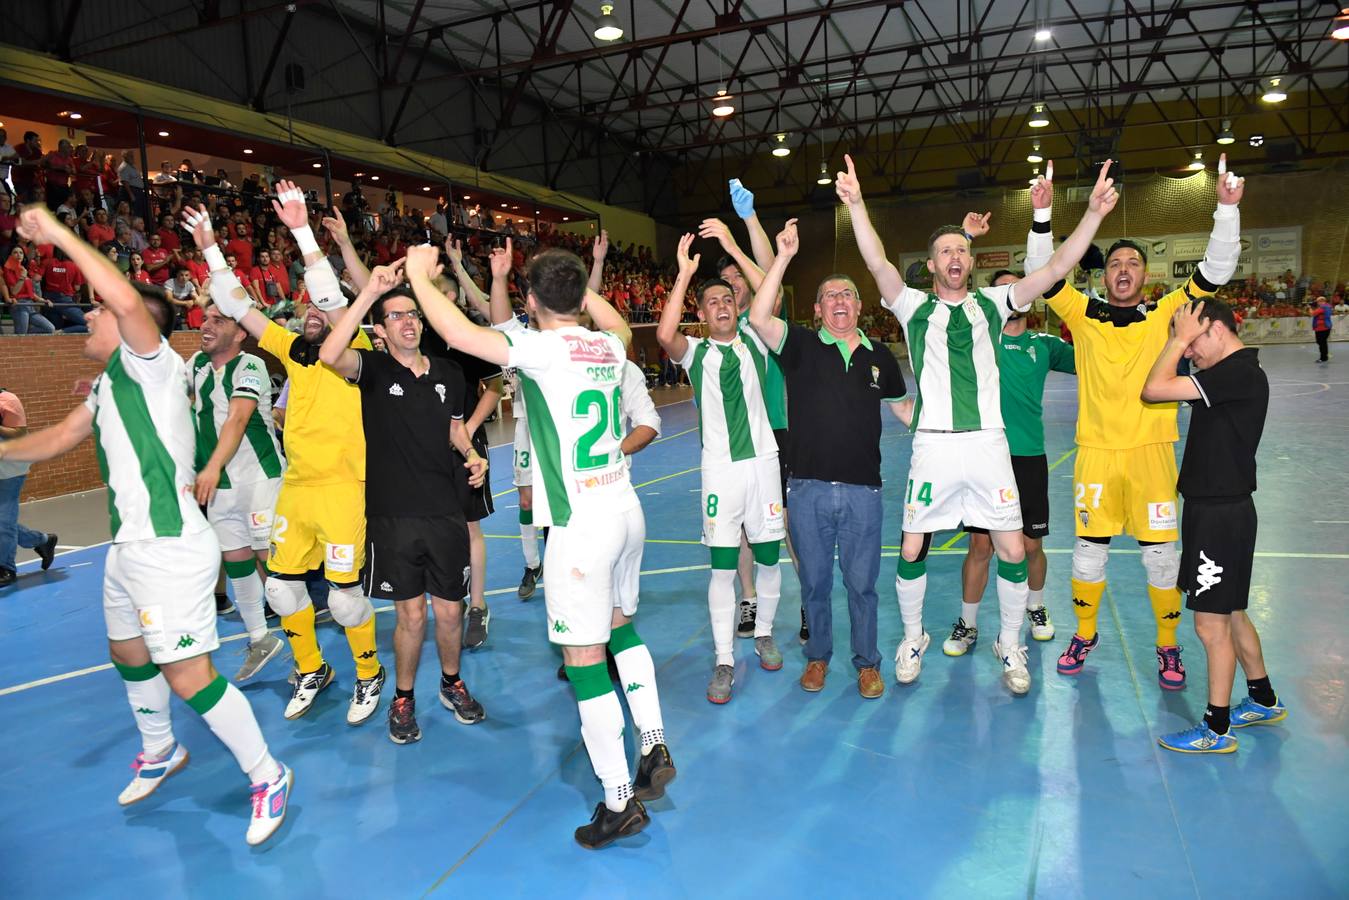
column 323, row 286
column 635, row 400
column 1224, row 245
column 228, row 294
column 1039, row 244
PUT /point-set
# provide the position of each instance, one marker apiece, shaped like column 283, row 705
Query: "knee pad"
column 349, row 605
column 1162, row 563
column 286, row 597
column 1089, row 559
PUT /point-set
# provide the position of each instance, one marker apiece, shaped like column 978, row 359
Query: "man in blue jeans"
column 836, row 382
column 12, row 534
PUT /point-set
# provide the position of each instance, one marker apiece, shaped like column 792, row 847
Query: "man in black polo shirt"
column 412, row 411
column 1229, row 395
column 836, row 381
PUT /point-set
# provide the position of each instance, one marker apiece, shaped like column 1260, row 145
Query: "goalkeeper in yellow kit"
column 1124, row 478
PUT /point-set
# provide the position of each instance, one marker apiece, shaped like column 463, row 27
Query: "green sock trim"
column 240, row 568
column 136, row 673
column 911, row 570
column 767, row 553
column 590, row 682
column 624, row 637
column 206, row 698
column 1013, row 572
column 526, row 517
column 725, row 557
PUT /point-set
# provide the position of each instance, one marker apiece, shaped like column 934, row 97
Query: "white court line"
column 67, row 552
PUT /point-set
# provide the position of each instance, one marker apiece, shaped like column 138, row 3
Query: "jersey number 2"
column 1081, row 496
column 609, row 418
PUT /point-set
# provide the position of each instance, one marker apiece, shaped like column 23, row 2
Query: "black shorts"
column 476, row 503
column 782, row 437
column 1217, row 540
column 408, row 556
column 1032, row 485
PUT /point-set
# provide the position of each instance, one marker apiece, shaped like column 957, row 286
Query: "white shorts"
column 242, row 515
column 591, row 568
column 962, row 477
column 745, row 493
column 163, row 590
column 524, row 466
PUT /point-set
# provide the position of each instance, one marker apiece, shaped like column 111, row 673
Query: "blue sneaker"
column 1248, row 712
column 1199, row 739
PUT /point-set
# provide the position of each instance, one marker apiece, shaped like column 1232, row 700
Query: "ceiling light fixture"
column 1039, row 117
column 565, row 218
column 824, row 174
column 76, row 115
column 374, row 178
column 1198, row 162
column 723, row 104
column 607, row 27
column 1257, row 140
column 1043, row 34
column 1034, row 155
column 1225, row 136
column 318, row 165
column 1274, row 92
column 782, row 149
column 1340, row 25
column 163, row 134
column 425, row 188
column 248, row 151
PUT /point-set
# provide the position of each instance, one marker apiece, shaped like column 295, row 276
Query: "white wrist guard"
column 228, row 294
column 1224, row 245
column 324, row 288
column 304, row 240
column 215, row 259
column 1041, row 215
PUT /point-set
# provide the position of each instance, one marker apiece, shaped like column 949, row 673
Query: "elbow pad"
column 1224, row 246
column 228, row 294
column 323, row 286
column 1039, row 242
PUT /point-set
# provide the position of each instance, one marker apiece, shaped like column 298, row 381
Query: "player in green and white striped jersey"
column 741, row 486
column 961, row 468
column 239, row 467
column 159, row 580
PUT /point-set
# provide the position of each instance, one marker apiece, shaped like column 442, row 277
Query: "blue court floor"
column 947, row 788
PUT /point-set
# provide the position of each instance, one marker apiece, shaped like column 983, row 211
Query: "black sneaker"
column 475, row 628
column 562, row 672
column 654, row 772
column 47, row 551
column 749, row 611
column 456, row 698
column 7, row 577
column 529, row 582
column 606, row 827
column 805, row 629
column 223, row 606
column 403, row 721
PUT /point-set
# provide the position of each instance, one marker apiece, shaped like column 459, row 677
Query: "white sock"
column 969, row 612
column 911, row 592
column 768, row 582
column 150, row 705
column 1035, row 599
column 602, row 731
column 529, row 542
column 248, row 594
column 1011, row 610
column 637, row 673
column 232, row 720
column 721, row 609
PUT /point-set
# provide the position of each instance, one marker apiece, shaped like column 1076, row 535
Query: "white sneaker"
column 269, row 806
column 257, row 655
column 365, row 698
column 307, row 688
column 909, row 658
column 1040, row 627
column 1015, row 675
column 962, row 640
column 150, row 774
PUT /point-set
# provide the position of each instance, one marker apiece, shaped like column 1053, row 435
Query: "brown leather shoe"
column 869, row 683
column 813, row 679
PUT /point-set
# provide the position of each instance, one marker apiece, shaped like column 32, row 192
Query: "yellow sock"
column 1086, row 602
column 362, row 641
column 1166, row 608
column 304, row 643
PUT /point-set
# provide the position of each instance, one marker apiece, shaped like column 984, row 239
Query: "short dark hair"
column 1216, row 310
column 942, row 232
column 711, row 283
column 377, row 309
column 160, row 308
column 557, row 279
column 993, row 279
column 29, row 135
column 1126, row 244
column 725, row 260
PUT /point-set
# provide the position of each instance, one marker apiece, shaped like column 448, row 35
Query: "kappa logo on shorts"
column 1209, row 573
column 385, row 586
column 340, row 557
column 1162, row 516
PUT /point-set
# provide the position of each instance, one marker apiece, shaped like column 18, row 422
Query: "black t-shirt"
column 475, row 371
column 410, row 465
column 835, row 406
column 1225, row 428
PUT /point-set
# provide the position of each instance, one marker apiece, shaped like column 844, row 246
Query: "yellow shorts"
column 1126, row 491
column 319, row 525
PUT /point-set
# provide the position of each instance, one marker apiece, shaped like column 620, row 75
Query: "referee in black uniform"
column 1229, row 395
column 412, row 411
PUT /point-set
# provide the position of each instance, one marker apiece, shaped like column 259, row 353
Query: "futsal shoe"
column 1015, row 674
column 46, row 551
column 654, row 771
column 257, row 655
column 475, row 626
column 1040, row 627
column 365, row 698
column 719, row 688
column 1075, row 657
column 529, row 583
column 607, row 826
column 1199, row 739
column 962, row 640
column 770, row 657
column 308, row 685
column 223, row 606
column 456, row 698
column 749, row 613
column 150, row 774
column 909, row 658
column 1248, row 712
column 403, row 721
column 269, row 806
column 804, row 634
column 1170, row 670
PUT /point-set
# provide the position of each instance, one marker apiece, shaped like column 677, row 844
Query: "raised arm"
column 1224, row 243
column 606, row 318
column 500, row 263
column 1102, row 201
column 717, row 230
column 226, row 292
column 336, row 350
column 743, row 201
column 769, row 327
column 137, row 327
column 888, row 280
column 36, row 446
column 422, row 267
column 1040, row 238
column 336, row 226
column 598, row 253
column 473, row 294
column 668, row 334
column 325, row 291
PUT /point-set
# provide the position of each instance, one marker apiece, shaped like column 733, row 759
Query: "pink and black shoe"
column 1075, row 657
column 1170, row 670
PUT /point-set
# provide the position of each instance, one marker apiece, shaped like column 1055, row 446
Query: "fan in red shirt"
column 199, row 269
column 60, row 276
column 86, row 170
column 100, row 232
column 157, row 260
column 137, row 271
column 168, row 234
column 240, row 247
column 58, row 167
